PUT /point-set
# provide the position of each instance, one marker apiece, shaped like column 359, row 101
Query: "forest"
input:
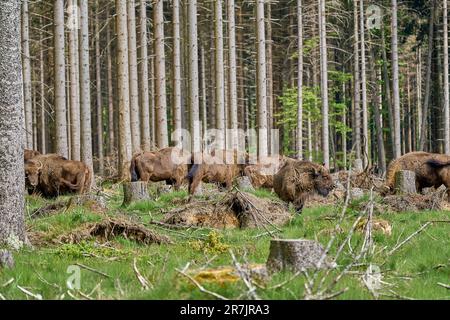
column 224, row 149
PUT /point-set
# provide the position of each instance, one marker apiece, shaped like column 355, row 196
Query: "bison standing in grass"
column 168, row 164
column 261, row 174
column 53, row 175
column 297, row 179
column 431, row 169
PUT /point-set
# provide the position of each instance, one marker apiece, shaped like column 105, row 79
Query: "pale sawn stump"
column 296, row 255
column 405, row 182
column 135, row 191
column 358, row 165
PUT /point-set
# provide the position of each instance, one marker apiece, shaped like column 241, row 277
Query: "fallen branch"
column 446, row 286
column 144, row 282
column 29, row 293
column 200, row 287
column 92, row 270
column 409, row 238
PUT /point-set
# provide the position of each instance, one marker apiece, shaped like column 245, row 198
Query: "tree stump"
column 244, row 183
column 405, row 182
column 6, row 259
column 296, row 255
column 358, row 165
column 135, row 191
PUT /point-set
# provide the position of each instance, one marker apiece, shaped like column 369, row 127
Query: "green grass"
column 413, row 271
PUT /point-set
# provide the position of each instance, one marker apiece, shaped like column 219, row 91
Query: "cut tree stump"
column 135, row 191
column 405, row 182
column 358, row 165
column 296, row 255
column 6, row 259
column 244, row 183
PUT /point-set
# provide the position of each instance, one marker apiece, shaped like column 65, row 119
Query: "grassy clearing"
column 413, row 271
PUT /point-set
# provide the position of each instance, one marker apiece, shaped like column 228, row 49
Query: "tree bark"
column 98, row 83
column 324, row 83
column 357, row 84
column 27, row 76
column 446, row 82
column 111, row 131
column 144, row 86
column 176, row 77
column 232, row 74
column 365, row 111
column 300, row 81
column 193, row 76
column 219, row 75
column 135, row 191
column 12, row 186
column 395, row 81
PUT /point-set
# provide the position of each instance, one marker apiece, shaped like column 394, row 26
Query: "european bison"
column 261, row 174
column 30, row 154
column 297, row 179
column 168, row 164
column 53, row 175
column 431, row 169
column 215, row 168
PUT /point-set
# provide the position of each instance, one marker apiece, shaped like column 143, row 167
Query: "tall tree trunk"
column 193, row 77
column 12, row 187
column 232, row 74
column 176, row 77
column 98, row 83
column 111, row 131
column 300, row 81
column 60, row 80
column 74, row 82
column 395, row 81
column 426, row 103
column 261, row 80
column 85, row 95
column 42, row 91
column 219, row 75
column 144, row 86
column 446, row 82
column 365, row 112
column 387, row 89
column 162, row 139
column 324, row 82
column 27, row 76
column 204, row 113
column 133, row 74
column 123, row 89
column 270, row 104
column 357, row 84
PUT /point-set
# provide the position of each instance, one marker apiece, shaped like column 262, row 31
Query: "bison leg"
column 193, row 184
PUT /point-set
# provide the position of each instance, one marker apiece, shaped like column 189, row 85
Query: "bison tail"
column 192, row 172
column 133, row 171
column 437, row 164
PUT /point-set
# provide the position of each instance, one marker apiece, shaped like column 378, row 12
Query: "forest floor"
column 122, row 268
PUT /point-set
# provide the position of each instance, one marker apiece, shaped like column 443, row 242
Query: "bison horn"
column 40, row 165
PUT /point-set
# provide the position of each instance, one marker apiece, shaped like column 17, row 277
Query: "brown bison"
column 168, row 164
column 53, row 175
column 431, row 169
column 220, row 167
column 30, row 154
column 297, row 179
column 261, row 174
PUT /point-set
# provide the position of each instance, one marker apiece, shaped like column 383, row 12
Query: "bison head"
column 32, row 171
column 323, row 183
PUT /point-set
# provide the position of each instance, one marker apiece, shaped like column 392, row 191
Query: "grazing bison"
column 261, row 174
column 168, row 164
column 53, row 175
column 30, row 154
column 220, row 167
column 431, row 169
column 297, row 179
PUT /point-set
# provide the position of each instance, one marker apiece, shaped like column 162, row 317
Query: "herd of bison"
column 292, row 180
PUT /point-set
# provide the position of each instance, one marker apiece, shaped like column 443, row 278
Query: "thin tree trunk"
column 144, row 87
column 232, row 74
column 204, row 98
column 85, row 95
column 42, row 148
column 357, row 84
column 219, row 75
column 300, row 81
column 12, row 204
column 176, row 78
column 193, row 76
column 261, row 80
column 60, row 80
column 27, row 76
column 98, row 83
column 395, row 80
column 270, row 104
column 387, row 89
column 324, row 82
column 162, row 139
column 133, row 74
column 123, row 89
column 365, row 112
column 111, row 131
column 446, row 82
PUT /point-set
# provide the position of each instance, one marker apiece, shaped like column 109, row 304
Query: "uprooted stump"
column 135, row 191
column 6, row 259
column 108, row 229
column 405, row 182
column 296, row 255
column 93, row 202
column 235, row 210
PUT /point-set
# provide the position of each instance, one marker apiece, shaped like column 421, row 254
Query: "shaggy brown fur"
column 261, row 174
column 297, row 179
column 29, row 154
column 214, row 168
column 431, row 169
column 52, row 175
column 168, row 164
